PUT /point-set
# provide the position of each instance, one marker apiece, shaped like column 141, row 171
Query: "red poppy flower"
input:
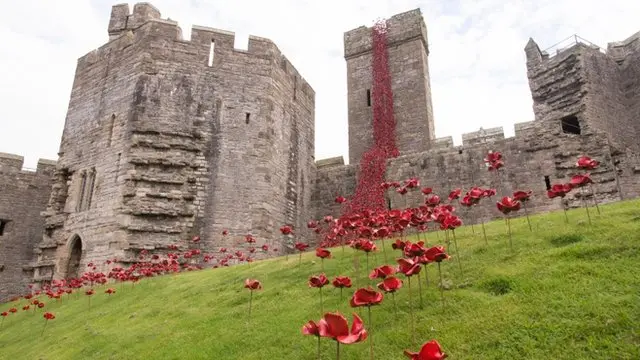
column 26, row 307
column 311, row 328
column 409, row 267
column 455, row 194
column 390, row 284
column 4, row 314
column 110, row 291
column 494, row 160
column 366, row 297
column 265, row 247
column 579, row 180
column 433, row 200
column 49, row 316
column 323, row 253
column 427, row 191
column 559, row 190
column 399, row 244
column 328, row 219
column 301, row 246
column 382, row 232
column 414, row 249
column 225, row 232
column 489, row 192
column 382, row 272
column 430, row 351
column 252, row 284
column 507, row 205
column 196, row 239
column 89, row 292
column 402, row 190
column 342, row 282
column 249, row 239
column 340, row 199
column 587, row 163
column 13, row 310
column 335, row 326
column 367, row 245
column 318, row 281
column 312, row 224
column 522, row 195
column 436, row 254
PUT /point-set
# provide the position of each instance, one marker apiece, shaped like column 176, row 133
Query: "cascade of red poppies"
column 369, row 194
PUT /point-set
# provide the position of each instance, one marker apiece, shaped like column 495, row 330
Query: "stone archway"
column 75, row 255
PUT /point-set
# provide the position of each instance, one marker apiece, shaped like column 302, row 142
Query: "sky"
column 477, row 61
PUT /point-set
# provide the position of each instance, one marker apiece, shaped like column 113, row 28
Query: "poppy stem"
column 250, row 300
column 584, row 203
column 384, row 250
column 484, row 233
column 420, row 290
column 318, row 347
column 300, row 260
column 367, row 261
column 45, row 325
column 341, row 294
column 321, row 305
column 395, row 305
column 566, row 217
column 426, row 274
column 322, row 264
column 337, row 350
column 524, row 204
column 455, row 242
column 370, row 336
column 413, row 326
column 441, row 284
column 509, row 230
column 593, row 192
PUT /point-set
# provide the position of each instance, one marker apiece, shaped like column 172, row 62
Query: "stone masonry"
column 167, row 138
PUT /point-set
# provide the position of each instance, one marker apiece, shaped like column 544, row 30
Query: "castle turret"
column 409, row 70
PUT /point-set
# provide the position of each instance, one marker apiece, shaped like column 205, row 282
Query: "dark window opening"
column 295, row 88
column 570, row 125
column 3, row 223
column 247, row 117
column 547, row 183
column 460, row 151
column 368, row 97
column 212, row 51
column 81, row 191
column 389, row 204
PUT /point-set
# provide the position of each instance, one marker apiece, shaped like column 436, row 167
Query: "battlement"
column 402, row 28
column 11, row 163
column 621, row 49
column 145, row 25
column 482, row 136
column 334, row 161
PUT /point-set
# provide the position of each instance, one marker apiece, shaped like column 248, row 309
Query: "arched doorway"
column 74, row 259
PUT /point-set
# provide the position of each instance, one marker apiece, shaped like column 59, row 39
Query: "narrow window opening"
column 389, row 204
column 460, row 151
column 118, row 166
column 368, row 97
column 570, row 125
column 3, row 223
column 83, row 185
column 92, row 181
column 547, row 183
column 247, row 118
column 295, row 87
column 112, row 123
column 212, row 51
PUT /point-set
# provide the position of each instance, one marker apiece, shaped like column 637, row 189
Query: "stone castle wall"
column 23, row 195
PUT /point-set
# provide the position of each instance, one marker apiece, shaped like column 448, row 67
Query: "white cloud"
column 477, row 59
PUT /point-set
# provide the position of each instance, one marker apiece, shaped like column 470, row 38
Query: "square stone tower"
column 167, row 138
column 409, row 69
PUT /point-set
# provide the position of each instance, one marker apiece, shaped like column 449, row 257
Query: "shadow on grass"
column 566, row 239
column 497, row 286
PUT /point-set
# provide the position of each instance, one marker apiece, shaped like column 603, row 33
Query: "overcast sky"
column 477, row 59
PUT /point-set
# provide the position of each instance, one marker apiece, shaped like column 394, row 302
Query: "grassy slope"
column 574, row 295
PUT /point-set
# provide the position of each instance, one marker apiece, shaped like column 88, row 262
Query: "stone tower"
column 167, row 138
column 409, row 70
column 580, row 87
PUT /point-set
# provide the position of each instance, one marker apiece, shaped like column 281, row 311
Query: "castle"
column 167, row 138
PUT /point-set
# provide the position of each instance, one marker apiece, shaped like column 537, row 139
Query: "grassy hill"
column 568, row 292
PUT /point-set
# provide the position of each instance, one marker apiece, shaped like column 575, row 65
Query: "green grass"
column 568, row 292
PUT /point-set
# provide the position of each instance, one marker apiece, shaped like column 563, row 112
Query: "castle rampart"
column 23, row 195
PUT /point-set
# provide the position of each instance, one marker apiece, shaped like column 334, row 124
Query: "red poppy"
column 26, row 307
column 13, row 310
column 225, row 232
column 301, row 246
column 89, row 292
column 366, row 297
column 399, row 244
column 508, row 205
column 110, row 291
column 403, row 190
column 436, row 253
column 265, row 247
column 382, row 272
column 409, row 267
column 580, row 180
column 4, row 314
column 342, row 282
column 522, row 195
column 489, row 192
column 390, row 284
column 196, row 239
column 312, row 224
column 587, row 163
column 494, row 160
column 433, row 200
column 427, row 190
column 412, row 183
column 559, row 190
column 249, row 239
column 414, row 249
column 455, row 194
column 252, row 284
column 311, row 328
column 323, row 253
column 328, row 219
column 341, row 199
column 335, row 326
column 318, row 281
column 430, row 351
